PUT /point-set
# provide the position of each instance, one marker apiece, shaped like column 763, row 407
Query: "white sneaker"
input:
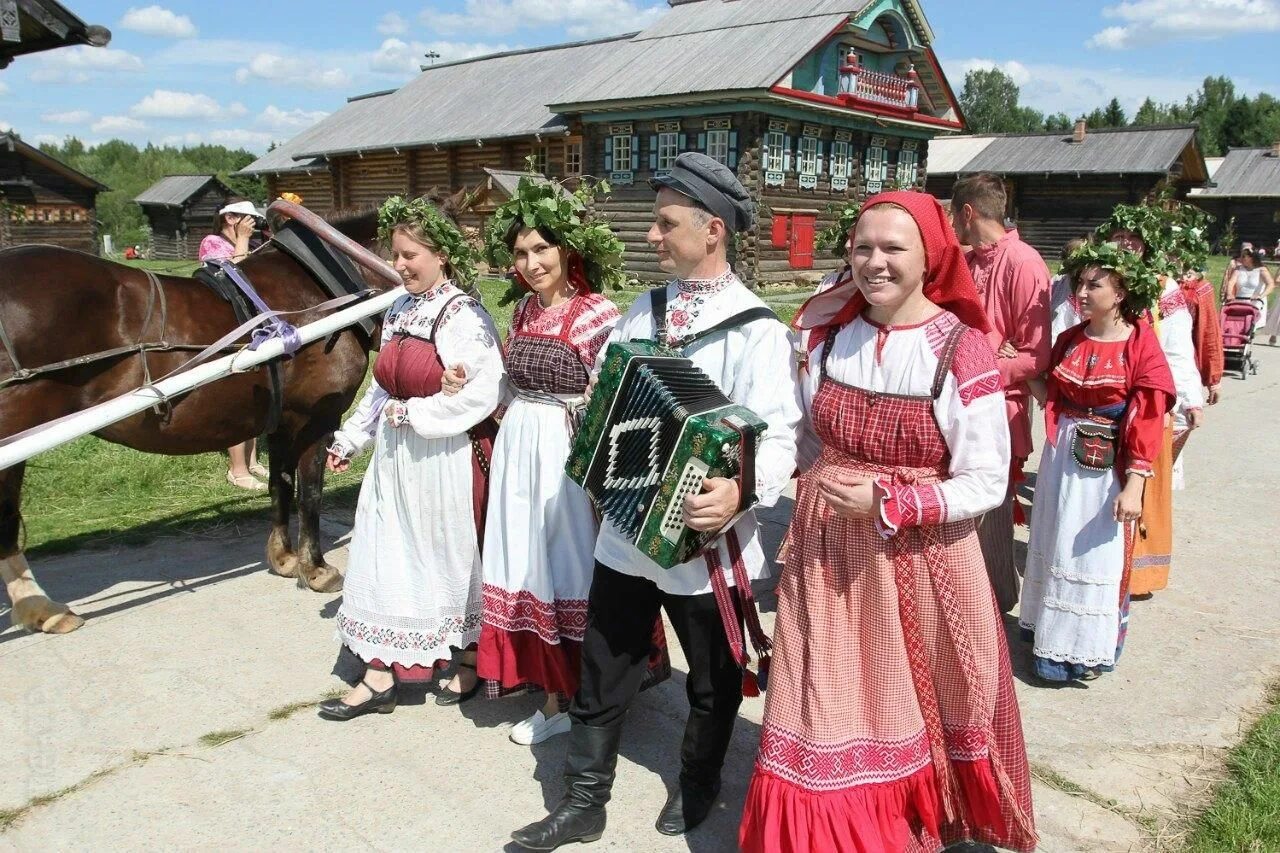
column 538, row 728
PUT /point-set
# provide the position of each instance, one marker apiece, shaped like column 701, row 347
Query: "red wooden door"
column 802, row 228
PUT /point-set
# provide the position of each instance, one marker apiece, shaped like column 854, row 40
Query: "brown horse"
column 57, row 304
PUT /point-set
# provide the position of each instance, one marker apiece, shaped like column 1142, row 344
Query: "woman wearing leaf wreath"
column 1109, row 388
column 413, row 584
column 1147, row 230
column 542, row 530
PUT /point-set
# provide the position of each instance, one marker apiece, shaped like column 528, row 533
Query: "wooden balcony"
column 875, row 87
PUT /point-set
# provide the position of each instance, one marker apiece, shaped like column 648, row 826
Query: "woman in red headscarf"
column 891, row 722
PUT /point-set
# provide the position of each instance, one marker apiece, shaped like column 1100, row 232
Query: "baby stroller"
column 1239, row 316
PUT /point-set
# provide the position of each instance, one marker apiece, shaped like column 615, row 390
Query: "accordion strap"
column 729, row 618
column 658, row 303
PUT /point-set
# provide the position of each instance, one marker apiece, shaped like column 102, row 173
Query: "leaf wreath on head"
column 1148, row 222
column 438, row 228
column 1141, row 280
column 835, row 237
column 542, row 203
column 1189, row 237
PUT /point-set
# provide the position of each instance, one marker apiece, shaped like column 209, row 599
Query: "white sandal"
column 248, row 482
column 259, row 470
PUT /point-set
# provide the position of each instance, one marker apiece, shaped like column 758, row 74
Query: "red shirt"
column 1013, row 284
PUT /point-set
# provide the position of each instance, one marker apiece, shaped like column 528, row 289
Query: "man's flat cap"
column 712, row 185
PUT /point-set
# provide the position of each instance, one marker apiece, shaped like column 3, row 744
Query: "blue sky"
column 246, row 73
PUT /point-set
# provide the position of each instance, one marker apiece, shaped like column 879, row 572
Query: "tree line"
column 1227, row 119
column 129, row 170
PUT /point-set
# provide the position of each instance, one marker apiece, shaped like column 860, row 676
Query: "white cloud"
column 163, row 103
column 118, row 124
column 47, row 139
column 580, row 18
column 69, row 117
column 400, row 58
column 4, row 88
column 392, row 24
column 80, row 64
column 274, row 118
column 293, row 71
column 1077, row 90
column 158, row 21
column 1155, row 21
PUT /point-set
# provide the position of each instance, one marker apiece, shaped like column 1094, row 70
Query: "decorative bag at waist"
column 656, row 427
column 1096, row 440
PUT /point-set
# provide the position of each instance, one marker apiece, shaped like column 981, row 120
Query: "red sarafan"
column 58, row 305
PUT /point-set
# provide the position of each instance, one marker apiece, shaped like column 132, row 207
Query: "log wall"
column 1257, row 220
column 316, row 189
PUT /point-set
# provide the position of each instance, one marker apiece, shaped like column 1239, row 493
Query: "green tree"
column 1114, row 114
column 1058, row 122
column 990, row 102
column 1097, row 118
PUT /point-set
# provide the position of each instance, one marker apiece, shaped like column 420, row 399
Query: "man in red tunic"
column 1013, row 284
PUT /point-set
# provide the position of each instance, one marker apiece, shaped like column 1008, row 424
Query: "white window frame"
column 877, row 165
column 718, row 146
column 808, row 154
column 776, row 142
column 908, row 167
column 668, row 150
column 840, row 161
column 622, row 153
column 573, row 156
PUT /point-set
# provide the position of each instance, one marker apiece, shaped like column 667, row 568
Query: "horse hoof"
column 286, row 568
column 325, row 579
column 63, row 623
column 40, row 615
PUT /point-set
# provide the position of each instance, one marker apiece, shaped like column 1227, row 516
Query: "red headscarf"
column 576, row 273
column 947, row 281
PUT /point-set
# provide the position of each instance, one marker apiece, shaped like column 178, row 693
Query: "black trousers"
column 615, row 653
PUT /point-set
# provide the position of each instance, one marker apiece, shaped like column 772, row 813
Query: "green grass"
column 1245, row 812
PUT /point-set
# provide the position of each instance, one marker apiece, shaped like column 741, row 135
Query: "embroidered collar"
column 444, row 288
column 707, row 285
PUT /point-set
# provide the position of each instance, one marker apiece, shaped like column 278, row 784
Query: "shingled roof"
column 357, row 111
column 1247, row 172
column 1130, row 151
column 174, row 190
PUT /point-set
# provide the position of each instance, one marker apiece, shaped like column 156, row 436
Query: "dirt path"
column 189, row 638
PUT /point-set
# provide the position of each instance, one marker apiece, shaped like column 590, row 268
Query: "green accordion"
column 656, row 427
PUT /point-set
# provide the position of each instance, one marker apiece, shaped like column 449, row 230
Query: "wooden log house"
column 43, row 200
column 181, row 210
column 1246, row 188
column 1063, row 185
column 813, row 102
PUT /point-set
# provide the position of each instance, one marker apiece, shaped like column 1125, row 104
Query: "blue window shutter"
column 635, row 153
column 653, row 153
column 608, row 153
column 821, row 147
column 684, row 141
column 733, row 149
column 702, row 142
column 787, row 159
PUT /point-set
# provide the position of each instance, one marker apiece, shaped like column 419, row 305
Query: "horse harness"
column 336, row 275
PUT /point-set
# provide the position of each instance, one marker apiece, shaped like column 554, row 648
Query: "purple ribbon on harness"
column 273, row 327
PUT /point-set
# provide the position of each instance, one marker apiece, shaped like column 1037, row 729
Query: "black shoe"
column 382, row 703
column 588, row 773
column 687, row 807
column 448, row 697
column 569, row 823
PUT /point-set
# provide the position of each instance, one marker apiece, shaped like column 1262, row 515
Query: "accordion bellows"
column 656, row 427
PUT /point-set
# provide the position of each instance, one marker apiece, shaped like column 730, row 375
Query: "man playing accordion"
column 709, row 316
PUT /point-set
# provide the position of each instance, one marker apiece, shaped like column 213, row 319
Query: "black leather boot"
column 706, row 741
column 588, row 773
